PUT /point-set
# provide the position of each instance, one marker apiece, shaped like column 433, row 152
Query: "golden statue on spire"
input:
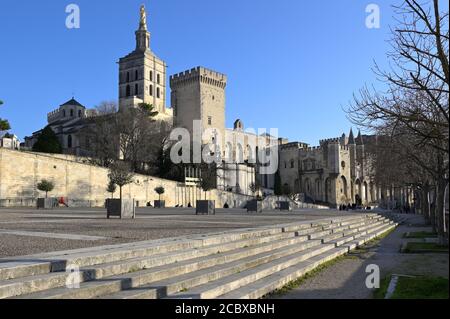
column 143, row 21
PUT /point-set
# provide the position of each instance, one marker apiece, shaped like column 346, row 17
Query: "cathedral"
column 337, row 172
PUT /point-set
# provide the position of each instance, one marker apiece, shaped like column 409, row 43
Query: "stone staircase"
column 245, row 263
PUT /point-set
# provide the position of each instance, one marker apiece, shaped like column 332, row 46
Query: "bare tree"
column 414, row 109
column 106, row 107
column 131, row 135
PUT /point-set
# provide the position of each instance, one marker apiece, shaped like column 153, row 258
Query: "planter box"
column 46, row 203
column 254, row 206
column 207, row 207
column 125, row 208
column 160, row 204
column 284, row 206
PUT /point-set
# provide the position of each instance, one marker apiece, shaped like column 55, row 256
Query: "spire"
column 359, row 139
column 142, row 35
column 351, row 138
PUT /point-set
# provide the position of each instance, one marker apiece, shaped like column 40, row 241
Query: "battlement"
column 313, row 149
column 290, row 145
column 199, row 74
column 53, row 115
column 335, row 140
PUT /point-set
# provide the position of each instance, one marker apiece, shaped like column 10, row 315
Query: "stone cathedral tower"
column 142, row 75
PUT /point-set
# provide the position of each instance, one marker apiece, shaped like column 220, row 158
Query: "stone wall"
column 84, row 185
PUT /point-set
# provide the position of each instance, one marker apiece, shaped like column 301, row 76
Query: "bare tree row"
column 410, row 114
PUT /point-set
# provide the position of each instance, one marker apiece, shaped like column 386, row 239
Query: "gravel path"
column 346, row 278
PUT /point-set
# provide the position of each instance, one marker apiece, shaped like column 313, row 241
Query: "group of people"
column 352, row 207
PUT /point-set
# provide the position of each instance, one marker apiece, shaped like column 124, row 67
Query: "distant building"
column 10, row 141
column 68, row 122
column 339, row 171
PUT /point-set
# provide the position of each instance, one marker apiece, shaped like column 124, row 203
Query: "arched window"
column 64, row 113
column 158, row 93
column 71, row 112
column 158, row 78
column 79, row 113
column 250, row 157
column 151, row 75
column 136, row 89
column 292, row 164
column 128, row 76
column 136, row 75
column 128, row 93
column 69, row 141
column 151, row 90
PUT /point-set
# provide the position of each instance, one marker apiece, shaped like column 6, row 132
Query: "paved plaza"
column 26, row 231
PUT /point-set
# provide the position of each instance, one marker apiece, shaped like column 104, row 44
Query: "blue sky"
column 291, row 64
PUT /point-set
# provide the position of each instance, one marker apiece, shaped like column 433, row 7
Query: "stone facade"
column 199, row 94
column 68, row 122
column 85, row 185
column 337, row 172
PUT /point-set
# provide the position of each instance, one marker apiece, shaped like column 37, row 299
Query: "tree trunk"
column 440, row 211
column 120, row 188
column 425, row 206
column 46, row 194
column 433, row 211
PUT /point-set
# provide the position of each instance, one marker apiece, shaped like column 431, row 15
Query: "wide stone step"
column 235, row 281
column 133, row 279
column 130, row 264
column 195, row 266
column 24, row 266
column 346, row 235
column 27, row 285
column 247, row 245
column 268, row 284
column 17, row 269
column 32, row 284
column 176, row 284
column 305, row 229
column 361, row 240
column 56, row 261
column 355, row 234
column 277, row 280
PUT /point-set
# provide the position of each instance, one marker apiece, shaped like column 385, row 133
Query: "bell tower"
column 142, row 75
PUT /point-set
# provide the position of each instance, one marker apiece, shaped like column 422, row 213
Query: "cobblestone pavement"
column 346, row 278
column 150, row 224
